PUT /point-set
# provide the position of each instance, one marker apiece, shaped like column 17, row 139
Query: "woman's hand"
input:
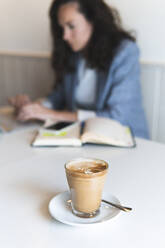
column 34, row 111
column 37, row 111
column 19, row 101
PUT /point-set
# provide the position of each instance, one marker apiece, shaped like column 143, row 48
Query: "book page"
column 106, row 131
column 68, row 136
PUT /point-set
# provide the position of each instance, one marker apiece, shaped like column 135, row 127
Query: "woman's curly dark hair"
column 106, row 37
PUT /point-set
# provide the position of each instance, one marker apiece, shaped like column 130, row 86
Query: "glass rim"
column 83, row 159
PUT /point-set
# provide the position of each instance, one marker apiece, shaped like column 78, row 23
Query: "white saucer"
column 60, row 209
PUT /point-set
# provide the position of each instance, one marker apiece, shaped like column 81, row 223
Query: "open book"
column 96, row 130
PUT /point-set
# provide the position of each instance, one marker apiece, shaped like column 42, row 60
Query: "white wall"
column 147, row 17
column 24, row 25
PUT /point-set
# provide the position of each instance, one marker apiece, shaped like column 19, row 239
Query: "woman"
column 96, row 66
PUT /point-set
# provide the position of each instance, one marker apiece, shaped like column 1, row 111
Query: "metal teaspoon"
column 126, row 209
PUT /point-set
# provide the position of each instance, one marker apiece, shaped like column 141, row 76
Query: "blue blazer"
column 118, row 91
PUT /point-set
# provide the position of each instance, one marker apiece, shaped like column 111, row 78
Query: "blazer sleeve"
column 124, row 91
column 123, row 102
column 57, row 97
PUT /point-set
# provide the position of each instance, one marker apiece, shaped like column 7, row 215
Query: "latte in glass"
column 86, row 179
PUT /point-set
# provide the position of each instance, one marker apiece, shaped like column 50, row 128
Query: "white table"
column 30, row 177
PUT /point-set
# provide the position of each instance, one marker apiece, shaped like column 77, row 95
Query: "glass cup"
column 86, row 177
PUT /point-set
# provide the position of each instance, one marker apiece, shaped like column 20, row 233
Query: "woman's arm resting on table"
column 39, row 112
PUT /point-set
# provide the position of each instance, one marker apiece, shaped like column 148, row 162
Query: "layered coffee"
column 86, row 179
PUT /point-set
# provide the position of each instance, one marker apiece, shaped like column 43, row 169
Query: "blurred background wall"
column 24, row 26
column 25, row 47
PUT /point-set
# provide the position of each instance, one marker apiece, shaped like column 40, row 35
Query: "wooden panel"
column 161, row 118
column 150, row 81
column 20, row 74
column 2, row 81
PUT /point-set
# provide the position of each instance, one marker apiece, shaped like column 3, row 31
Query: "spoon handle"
column 126, row 209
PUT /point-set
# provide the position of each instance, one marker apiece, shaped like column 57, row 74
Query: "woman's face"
column 76, row 29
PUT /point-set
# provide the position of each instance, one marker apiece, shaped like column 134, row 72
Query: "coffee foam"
column 87, row 167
